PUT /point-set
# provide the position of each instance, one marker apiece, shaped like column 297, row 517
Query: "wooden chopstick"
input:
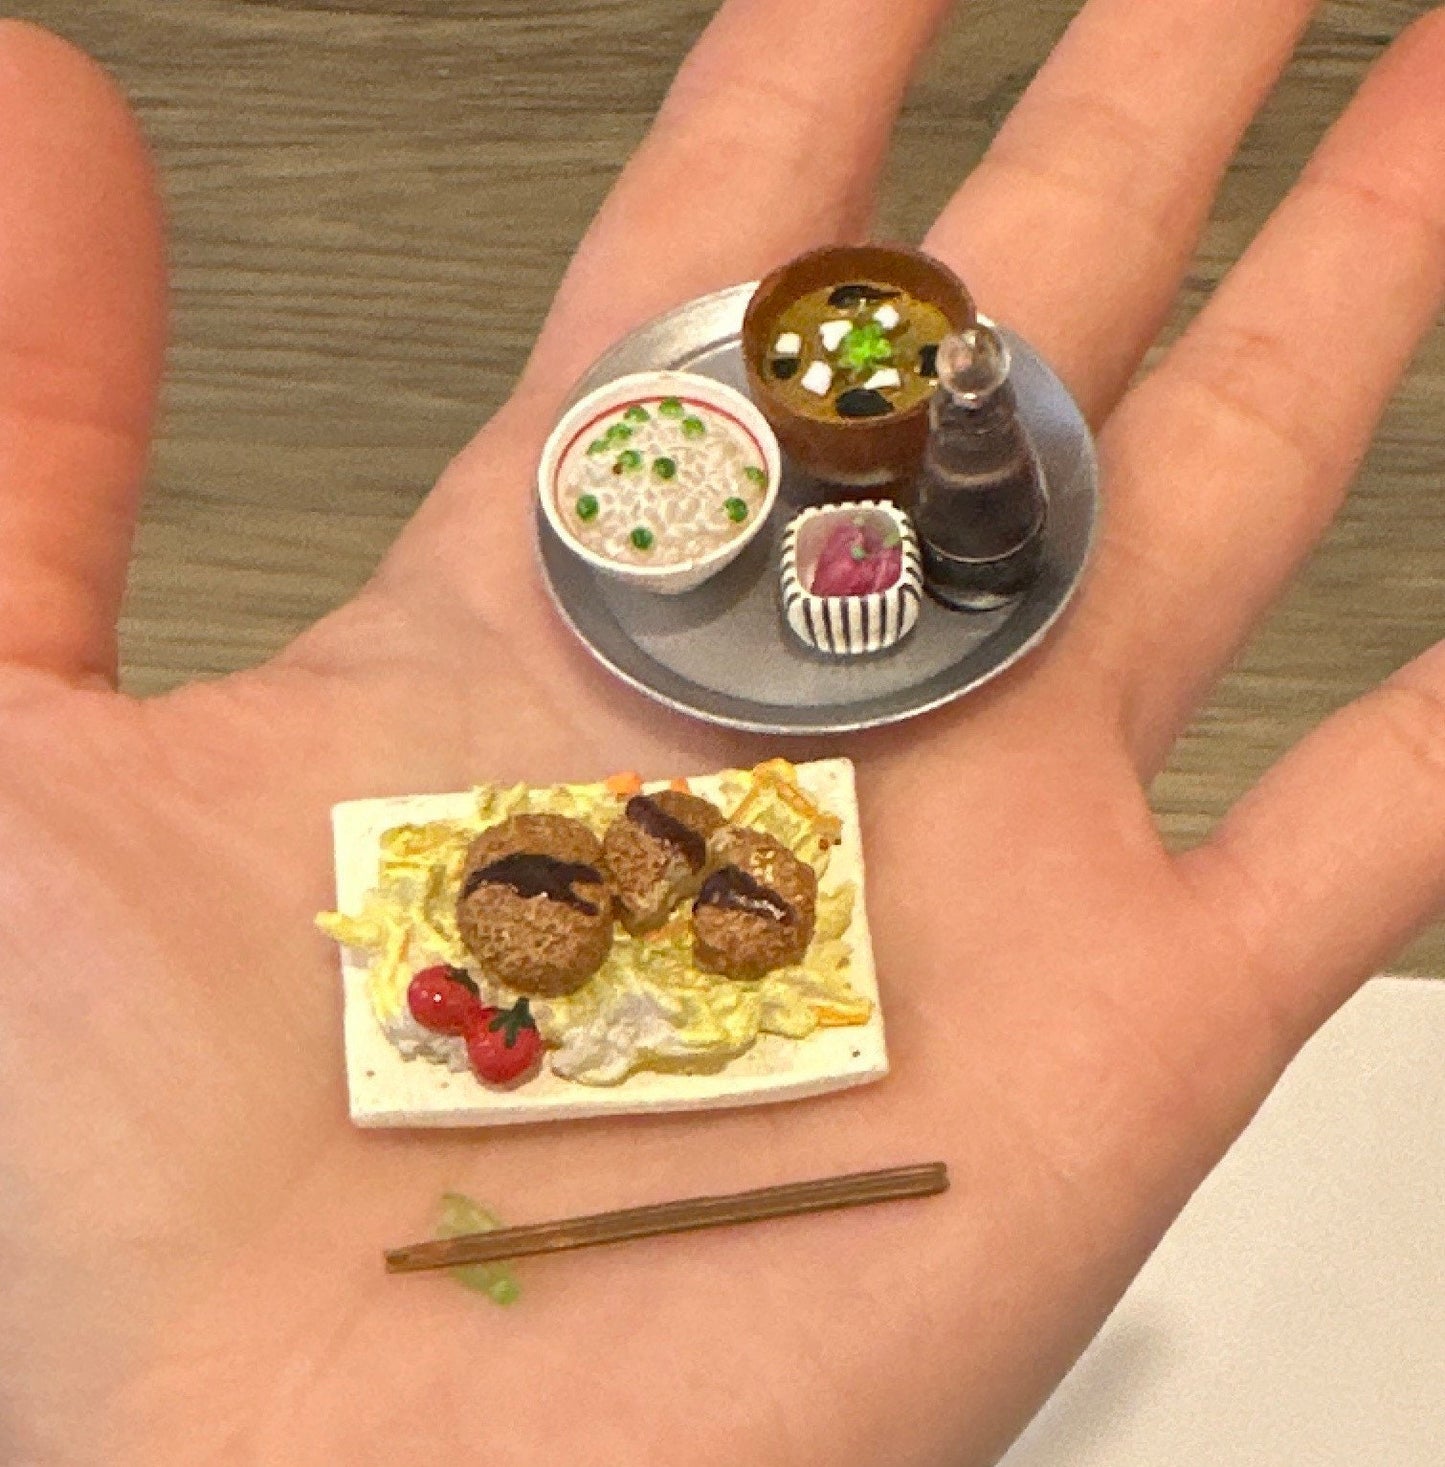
column 687, row 1216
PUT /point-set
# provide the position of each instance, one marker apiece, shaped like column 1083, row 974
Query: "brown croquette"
column 656, row 854
column 757, row 909
column 535, row 908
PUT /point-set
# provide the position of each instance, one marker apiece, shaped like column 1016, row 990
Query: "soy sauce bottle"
column 981, row 503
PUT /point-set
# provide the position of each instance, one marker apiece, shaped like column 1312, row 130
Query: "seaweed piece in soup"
column 784, row 367
column 928, row 361
column 861, row 293
column 862, row 402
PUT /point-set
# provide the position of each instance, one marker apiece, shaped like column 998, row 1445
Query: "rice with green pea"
column 661, row 482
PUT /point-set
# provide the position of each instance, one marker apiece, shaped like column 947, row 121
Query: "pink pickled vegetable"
column 858, row 558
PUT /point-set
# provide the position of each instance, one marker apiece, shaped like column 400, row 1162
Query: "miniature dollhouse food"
column 865, row 349
column 981, row 497
column 858, row 558
column 757, row 909
column 840, row 347
column 655, row 852
column 851, row 578
column 660, row 481
column 461, row 1217
column 772, row 957
column 534, row 908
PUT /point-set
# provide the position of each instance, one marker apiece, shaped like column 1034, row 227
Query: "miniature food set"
column 857, row 498
column 531, row 953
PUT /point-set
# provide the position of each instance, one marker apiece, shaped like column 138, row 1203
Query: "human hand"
column 1079, row 1023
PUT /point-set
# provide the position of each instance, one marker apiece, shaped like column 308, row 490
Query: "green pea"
column 637, row 414
column 619, row 433
column 642, row 538
column 664, row 468
column 757, row 476
column 598, row 445
column 694, row 428
column 628, row 461
column 736, row 510
column 587, row 507
column 671, row 407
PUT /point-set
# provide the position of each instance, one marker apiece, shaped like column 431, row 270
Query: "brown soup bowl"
column 860, row 454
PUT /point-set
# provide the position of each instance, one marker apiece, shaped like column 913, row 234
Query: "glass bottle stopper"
column 973, row 364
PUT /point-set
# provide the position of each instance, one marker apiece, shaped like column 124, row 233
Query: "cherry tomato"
column 444, row 1000
column 503, row 1043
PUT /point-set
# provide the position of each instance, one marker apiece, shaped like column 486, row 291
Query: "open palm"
column 1080, row 1024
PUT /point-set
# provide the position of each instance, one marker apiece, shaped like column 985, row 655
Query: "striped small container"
column 849, row 626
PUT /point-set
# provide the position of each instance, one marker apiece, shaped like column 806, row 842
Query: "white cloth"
column 1295, row 1314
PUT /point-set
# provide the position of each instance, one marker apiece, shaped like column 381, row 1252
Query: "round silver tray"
column 722, row 654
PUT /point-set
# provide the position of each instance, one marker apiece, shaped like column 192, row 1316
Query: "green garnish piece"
column 642, row 538
column 587, row 507
column 637, row 414
column 671, row 407
column 757, row 476
column 736, row 510
column 665, row 468
column 460, row 1216
column 865, row 347
column 694, row 428
column 618, row 433
column 628, row 461
column 598, row 445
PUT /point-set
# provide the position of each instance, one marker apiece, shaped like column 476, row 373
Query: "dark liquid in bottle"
column 981, row 501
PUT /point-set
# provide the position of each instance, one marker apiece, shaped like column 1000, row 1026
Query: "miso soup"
column 862, row 349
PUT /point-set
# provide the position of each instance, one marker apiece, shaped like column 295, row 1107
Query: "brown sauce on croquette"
column 735, row 890
column 649, row 816
column 533, row 876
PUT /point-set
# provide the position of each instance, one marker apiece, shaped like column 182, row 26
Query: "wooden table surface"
column 352, row 183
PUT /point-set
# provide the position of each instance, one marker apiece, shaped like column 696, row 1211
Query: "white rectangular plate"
column 387, row 1090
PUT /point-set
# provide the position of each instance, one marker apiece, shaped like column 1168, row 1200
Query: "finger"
column 1080, row 222
column 1337, row 858
column 1227, row 465
column 755, row 156
column 81, row 343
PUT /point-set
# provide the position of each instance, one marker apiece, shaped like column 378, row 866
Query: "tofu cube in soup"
column 818, row 378
column 831, row 334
